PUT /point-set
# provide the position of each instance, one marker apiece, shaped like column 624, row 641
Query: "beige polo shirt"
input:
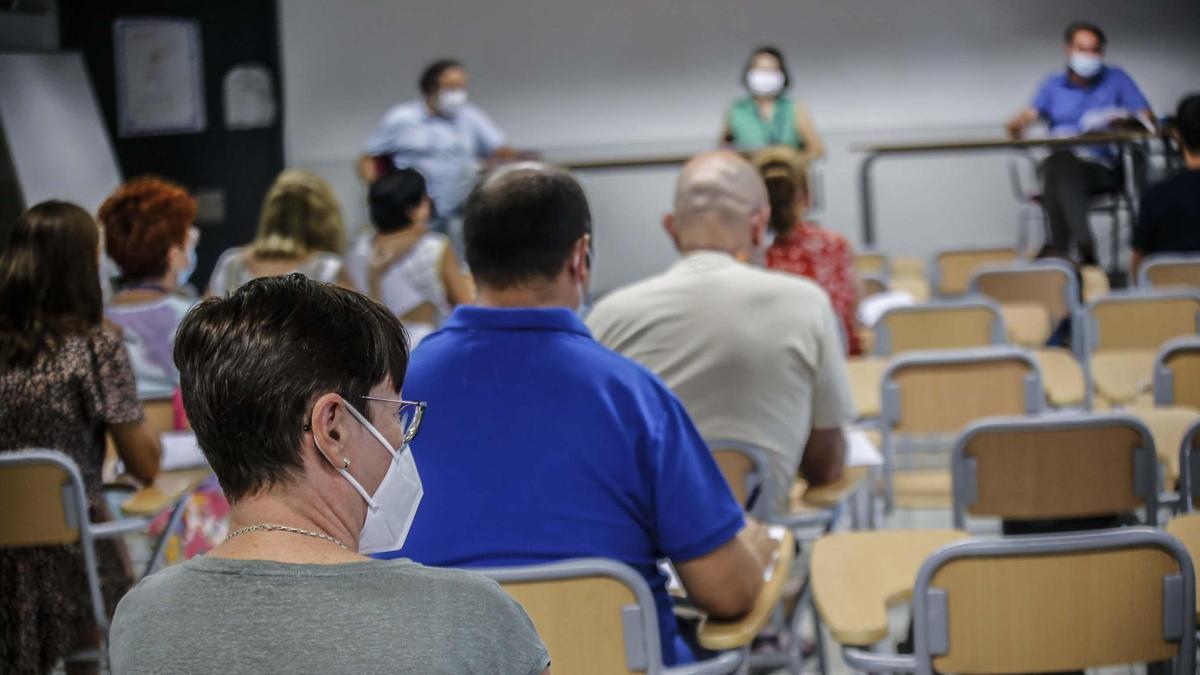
column 755, row 355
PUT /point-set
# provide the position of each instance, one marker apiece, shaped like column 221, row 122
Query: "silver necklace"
column 282, row 528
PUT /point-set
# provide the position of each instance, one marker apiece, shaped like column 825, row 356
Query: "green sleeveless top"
column 751, row 132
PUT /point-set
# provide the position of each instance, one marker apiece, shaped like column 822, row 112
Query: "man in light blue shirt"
column 440, row 135
column 1089, row 97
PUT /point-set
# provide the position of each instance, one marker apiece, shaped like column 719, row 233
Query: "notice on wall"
column 160, row 76
column 249, row 97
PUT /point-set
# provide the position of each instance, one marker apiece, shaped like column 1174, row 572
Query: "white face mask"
column 765, row 82
column 450, row 100
column 1086, row 65
column 390, row 511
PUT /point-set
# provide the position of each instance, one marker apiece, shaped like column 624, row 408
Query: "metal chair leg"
column 160, row 546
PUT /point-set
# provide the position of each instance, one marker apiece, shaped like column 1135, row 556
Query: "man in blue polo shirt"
column 551, row 446
column 1088, row 97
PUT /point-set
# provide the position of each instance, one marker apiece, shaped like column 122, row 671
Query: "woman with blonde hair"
column 300, row 230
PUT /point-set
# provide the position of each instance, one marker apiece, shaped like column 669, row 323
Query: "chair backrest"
column 951, row 270
column 1189, row 469
column 871, row 263
column 747, row 471
column 1050, row 283
column 1057, row 466
column 41, row 499
column 1142, row 319
column 942, row 324
column 943, row 391
column 43, row 503
column 1055, row 603
column 1177, row 373
column 1170, row 270
column 595, row 616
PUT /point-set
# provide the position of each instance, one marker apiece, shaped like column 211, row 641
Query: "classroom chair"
column 43, row 503
column 1123, row 332
column 1074, row 465
column 940, row 324
column 597, row 617
column 1049, row 603
column 1177, row 373
column 1166, row 269
column 1189, row 469
column 951, row 269
column 869, row 263
column 907, row 266
column 1049, row 285
column 934, row 394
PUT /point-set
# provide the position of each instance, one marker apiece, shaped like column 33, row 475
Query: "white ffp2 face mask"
column 1086, row 65
column 390, row 511
column 765, row 82
column 451, row 100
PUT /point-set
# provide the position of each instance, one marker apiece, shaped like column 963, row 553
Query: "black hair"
column 521, row 224
column 773, row 51
column 393, row 197
column 252, row 363
column 1076, row 26
column 1187, row 122
column 433, row 72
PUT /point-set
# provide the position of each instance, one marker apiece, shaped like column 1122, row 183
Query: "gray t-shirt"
column 254, row 616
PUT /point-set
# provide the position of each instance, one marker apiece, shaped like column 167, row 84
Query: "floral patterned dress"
column 826, row 258
column 63, row 401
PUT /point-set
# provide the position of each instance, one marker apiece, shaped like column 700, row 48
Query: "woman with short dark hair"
column 767, row 115
column 293, row 388
column 403, row 264
column 65, row 380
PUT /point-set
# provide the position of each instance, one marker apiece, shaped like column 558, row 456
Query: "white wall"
column 578, row 79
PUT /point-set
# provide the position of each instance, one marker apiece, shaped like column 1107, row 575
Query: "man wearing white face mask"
column 294, row 390
column 441, row 135
column 1088, row 97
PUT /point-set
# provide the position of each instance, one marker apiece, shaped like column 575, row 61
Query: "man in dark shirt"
column 1169, row 221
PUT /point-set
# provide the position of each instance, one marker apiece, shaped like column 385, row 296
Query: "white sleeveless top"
column 411, row 281
column 231, row 270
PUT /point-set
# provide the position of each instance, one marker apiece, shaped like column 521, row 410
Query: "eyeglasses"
column 409, row 413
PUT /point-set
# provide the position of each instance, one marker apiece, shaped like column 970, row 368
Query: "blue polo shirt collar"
column 1092, row 83
column 559, row 319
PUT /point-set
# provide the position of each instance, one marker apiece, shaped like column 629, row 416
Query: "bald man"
column 755, row 355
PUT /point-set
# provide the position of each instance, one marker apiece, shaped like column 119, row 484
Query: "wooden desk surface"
column 725, row 635
column 1120, row 375
column 1001, row 143
column 1167, row 425
column 1187, row 530
column 166, row 490
column 804, row 498
column 856, row 576
column 1062, row 376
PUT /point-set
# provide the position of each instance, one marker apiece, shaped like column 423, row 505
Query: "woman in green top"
column 767, row 116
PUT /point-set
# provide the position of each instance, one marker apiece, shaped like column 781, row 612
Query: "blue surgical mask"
column 1086, row 65
column 186, row 273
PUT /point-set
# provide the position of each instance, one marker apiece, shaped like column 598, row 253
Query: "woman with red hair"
column 149, row 235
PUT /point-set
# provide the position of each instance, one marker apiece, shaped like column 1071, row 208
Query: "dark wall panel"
column 239, row 164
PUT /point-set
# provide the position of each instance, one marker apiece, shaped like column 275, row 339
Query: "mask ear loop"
column 371, row 503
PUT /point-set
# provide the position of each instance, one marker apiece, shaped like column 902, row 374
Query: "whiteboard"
column 60, row 148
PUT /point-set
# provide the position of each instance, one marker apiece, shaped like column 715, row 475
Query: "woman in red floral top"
column 802, row 247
